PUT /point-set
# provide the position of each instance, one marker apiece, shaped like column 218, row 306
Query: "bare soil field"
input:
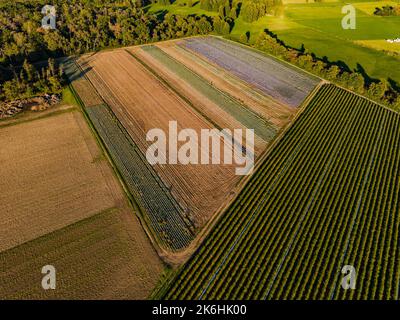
column 106, row 256
column 274, row 111
column 61, row 204
column 52, row 175
column 201, row 102
column 142, row 102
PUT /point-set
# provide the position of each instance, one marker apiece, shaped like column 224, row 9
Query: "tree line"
column 380, row 90
column 31, row 81
column 81, row 26
column 248, row 10
column 387, row 11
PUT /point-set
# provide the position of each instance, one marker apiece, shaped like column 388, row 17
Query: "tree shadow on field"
column 394, row 84
column 368, row 80
column 79, row 72
column 342, row 65
column 160, row 14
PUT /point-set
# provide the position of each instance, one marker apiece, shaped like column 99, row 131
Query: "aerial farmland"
column 60, row 196
column 260, row 232
column 210, row 150
column 281, row 240
column 126, row 80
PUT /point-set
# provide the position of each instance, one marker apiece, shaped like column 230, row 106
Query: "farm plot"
column 275, row 112
column 52, row 175
column 276, row 79
column 81, row 85
column 106, row 256
column 242, row 116
column 317, row 203
column 141, row 103
column 166, row 217
column 60, row 204
column 201, row 103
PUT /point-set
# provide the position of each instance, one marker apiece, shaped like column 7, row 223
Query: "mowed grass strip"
column 106, row 256
column 80, row 84
column 318, row 202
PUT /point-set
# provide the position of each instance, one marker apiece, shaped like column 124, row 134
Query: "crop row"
column 327, row 195
column 164, row 214
column 242, row 114
column 269, row 75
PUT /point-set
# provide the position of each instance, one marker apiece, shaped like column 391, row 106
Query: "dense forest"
column 27, row 51
column 81, row 26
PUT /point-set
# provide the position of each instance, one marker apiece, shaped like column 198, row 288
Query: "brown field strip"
column 142, row 102
column 106, row 256
column 52, row 176
column 86, row 93
column 60, row 204
column 275, row 112
column 207, row 107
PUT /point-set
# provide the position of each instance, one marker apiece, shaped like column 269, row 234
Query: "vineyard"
column 326, row 196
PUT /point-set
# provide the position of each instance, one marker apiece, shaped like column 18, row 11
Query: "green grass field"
column 68, row 97
column 317, row 26
column 178, row 7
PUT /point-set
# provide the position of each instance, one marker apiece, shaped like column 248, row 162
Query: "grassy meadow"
column 317, row 27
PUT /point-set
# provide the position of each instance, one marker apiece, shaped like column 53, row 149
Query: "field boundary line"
column 51, row 233
column 260, row 95
column 24, row 117
column 207, row 229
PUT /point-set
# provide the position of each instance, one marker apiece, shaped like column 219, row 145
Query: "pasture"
column 317, row 27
